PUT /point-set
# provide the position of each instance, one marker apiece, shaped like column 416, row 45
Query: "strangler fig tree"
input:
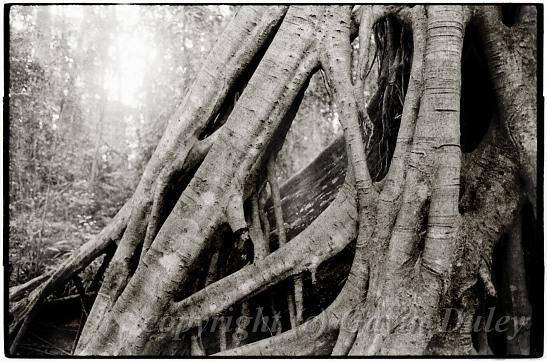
column 433, row 173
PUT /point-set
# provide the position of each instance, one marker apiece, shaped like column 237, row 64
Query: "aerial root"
column 97, row 279
column 515, row 92
column 19, row 291
column 236, row 219
column 196, row 345
column 261, row 247
column 262, row 198
column 131, row 221
column 118, row 273
column 402, row 263
column 375, row 209
column 183, row 163
column 318, row 335
column 294, row 300
column 346, row 338
column 142, row 226
column 337, row 221
column 293, row 340
column 313, row 337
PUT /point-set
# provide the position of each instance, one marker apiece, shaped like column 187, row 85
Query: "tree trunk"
column 388, row 251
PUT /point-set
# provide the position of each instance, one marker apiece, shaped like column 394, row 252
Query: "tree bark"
column 423, row 216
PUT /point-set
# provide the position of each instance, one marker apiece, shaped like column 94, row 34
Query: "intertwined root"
column 409, row 229
column 403, row 253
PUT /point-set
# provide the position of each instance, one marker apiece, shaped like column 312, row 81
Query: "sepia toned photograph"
column 256, row 180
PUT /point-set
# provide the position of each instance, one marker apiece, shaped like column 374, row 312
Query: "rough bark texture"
column 364, row 250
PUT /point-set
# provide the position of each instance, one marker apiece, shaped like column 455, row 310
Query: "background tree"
column 435, row 178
